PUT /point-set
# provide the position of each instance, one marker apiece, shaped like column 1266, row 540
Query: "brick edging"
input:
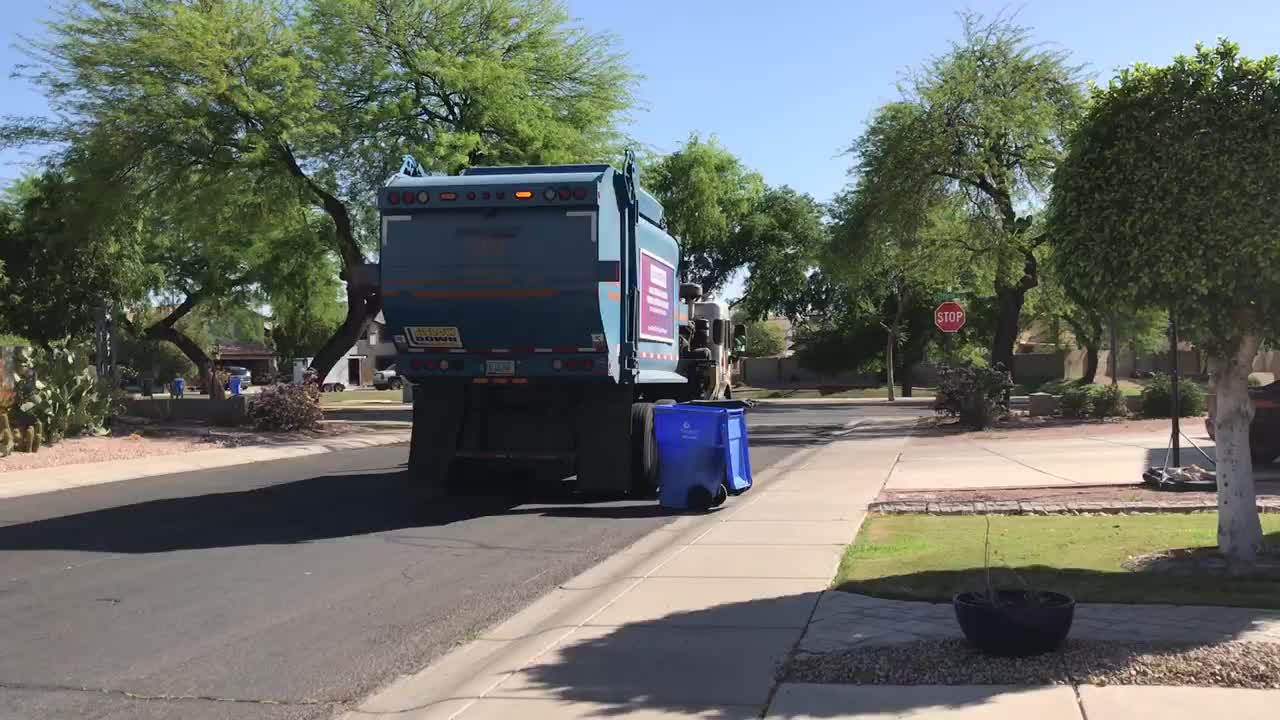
column 1019, row 507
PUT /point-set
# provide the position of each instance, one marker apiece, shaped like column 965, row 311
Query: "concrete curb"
column 63, row 477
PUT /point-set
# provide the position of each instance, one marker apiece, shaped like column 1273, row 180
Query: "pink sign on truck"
column 657, row 299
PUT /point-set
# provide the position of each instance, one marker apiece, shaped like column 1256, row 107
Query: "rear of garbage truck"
column 535, row 310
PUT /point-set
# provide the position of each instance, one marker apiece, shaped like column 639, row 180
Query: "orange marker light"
column 524, row 194
column 448, row 196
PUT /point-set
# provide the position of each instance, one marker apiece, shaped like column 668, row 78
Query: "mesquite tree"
column 325, row 97
column 984, row 124
column 1168, row 197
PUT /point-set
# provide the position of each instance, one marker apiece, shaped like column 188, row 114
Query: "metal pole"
column 1176, row 396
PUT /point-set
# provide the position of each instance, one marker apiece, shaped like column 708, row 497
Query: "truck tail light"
column 524, row 194
column 408, row 197
column 549, row 194
column 444, row 364
column 580, row 194
column 565, row 193
column 448, row 196
column 393, row 198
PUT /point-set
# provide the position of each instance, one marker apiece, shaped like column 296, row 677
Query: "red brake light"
column 484, row 195
column 471, row 196
column 501, row 195
column 431, row 364
column 565, row 193
column 580, row 194
column 408, row 197
column 393, row 198
column 587, row 364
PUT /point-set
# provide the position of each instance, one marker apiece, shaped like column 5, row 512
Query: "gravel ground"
column 138, row 439
column 954, row 662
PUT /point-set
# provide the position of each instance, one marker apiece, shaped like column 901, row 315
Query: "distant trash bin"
column 179, row 386
column 702, row 455
column 234, row 383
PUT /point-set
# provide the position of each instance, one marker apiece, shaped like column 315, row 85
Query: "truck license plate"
column 499, row 367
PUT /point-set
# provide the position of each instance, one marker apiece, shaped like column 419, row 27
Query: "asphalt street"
column 290, row 589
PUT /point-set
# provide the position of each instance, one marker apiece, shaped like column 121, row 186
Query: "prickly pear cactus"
column 37, row 436
column 6, row 441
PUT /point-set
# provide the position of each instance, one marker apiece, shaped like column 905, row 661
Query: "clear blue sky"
column 787, row 85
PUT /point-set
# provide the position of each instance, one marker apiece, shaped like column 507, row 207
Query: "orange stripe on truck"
column 470, row 294
column 613, row 295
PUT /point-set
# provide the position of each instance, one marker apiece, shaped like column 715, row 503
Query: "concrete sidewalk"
column 62, row 477
column 1005, row 460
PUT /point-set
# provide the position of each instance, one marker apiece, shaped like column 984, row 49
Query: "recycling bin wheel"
column 700, row 498
column 722, row 494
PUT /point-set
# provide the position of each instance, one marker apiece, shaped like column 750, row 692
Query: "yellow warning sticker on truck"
column 436, row 337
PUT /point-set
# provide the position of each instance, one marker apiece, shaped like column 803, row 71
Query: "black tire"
column 1263, row 455
column 722, row 494
column 397, row 383
column 700, row 499
column 644, row 451
column 339, row 388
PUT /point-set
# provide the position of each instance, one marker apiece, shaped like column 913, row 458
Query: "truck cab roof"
column 536, row 179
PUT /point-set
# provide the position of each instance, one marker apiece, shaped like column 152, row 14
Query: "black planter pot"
column 1018, row 624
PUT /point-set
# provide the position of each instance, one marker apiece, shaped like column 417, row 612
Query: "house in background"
column 256, row 357
column 376, row 346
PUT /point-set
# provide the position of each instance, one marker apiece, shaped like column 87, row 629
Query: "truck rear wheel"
column 644, row 451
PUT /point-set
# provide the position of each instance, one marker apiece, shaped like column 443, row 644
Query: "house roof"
column 244, row 350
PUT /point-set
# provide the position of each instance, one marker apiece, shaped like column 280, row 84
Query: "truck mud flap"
column 603, row 439
column 437, row 420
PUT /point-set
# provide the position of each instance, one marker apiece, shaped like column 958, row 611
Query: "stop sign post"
column 949, row 317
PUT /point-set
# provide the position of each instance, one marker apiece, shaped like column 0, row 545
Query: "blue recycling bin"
column 703, row 455
column 234, row 384
column 179, row 386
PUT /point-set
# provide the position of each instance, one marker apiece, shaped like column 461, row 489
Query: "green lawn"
column 358, row 397
column 923, row 557
column 823, row 392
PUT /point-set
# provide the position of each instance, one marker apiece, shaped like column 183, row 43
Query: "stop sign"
column 949, row 317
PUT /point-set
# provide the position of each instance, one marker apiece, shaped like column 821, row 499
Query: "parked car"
column 246, row 377
column 1264, row 433
column 387, row 379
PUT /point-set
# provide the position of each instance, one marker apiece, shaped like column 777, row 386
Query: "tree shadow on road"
column 316, row 508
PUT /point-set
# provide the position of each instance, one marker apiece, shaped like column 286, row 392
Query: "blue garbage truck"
column 538, row 314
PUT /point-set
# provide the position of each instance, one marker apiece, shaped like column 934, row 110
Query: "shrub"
column 1157, row 398
column 285, row 408
column 972, row 393
column 1108, row 401
column 6, row 435
column 64, row 396
column 1076, row 401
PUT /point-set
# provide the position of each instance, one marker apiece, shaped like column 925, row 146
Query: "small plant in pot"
column 1013, row 622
